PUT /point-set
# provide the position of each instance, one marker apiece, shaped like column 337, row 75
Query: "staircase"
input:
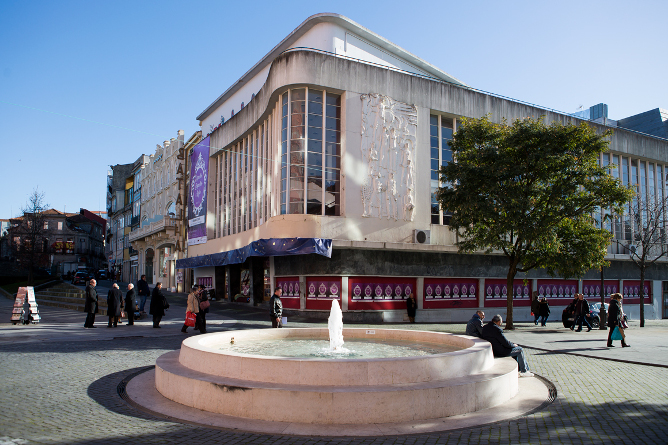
column 66, row 296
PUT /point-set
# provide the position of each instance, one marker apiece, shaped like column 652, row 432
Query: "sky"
column 87, row 84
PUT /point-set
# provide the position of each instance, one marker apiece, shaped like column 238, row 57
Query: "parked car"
column 568, row 319
column 594, row 314
column 82, row 278
column 102, row 275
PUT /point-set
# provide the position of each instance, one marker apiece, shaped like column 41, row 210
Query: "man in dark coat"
column 276, row 308
column 411, row 307
column 158, row 305
column 581, row 311
column 90, row 306
column 474, row 326
column 130, row 303
column 144, row 292
column 114, row 298
column 502, row 347
column 535, row 308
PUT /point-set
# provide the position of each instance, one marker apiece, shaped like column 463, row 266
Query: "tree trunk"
column 642, row 295
column 512, row 271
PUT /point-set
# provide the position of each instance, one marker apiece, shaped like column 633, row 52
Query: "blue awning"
column 262, row 247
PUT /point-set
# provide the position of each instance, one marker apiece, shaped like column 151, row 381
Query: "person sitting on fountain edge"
column 276, row 308
column 502, row 347
column 474, row 326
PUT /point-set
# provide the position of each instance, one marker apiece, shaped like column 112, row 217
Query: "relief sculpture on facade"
column 389, row 131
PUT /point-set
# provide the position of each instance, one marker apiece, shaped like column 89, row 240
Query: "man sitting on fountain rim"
column 502, row 347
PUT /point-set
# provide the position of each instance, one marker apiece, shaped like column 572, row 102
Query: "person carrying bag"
column 204, row 304
column 192, row 308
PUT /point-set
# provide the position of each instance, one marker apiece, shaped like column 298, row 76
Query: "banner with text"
column 199, row 175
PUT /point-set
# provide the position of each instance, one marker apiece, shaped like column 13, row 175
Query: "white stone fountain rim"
column 195, row 342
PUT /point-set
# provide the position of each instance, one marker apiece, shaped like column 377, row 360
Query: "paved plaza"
column 60, row 384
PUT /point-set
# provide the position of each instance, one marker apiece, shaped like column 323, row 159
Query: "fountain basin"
column 326, row 391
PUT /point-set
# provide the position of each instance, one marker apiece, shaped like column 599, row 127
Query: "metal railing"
column 154, row 227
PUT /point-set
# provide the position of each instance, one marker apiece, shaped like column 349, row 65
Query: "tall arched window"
column 171, row 210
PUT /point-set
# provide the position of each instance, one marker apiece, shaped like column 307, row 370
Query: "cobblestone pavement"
column 65, row 392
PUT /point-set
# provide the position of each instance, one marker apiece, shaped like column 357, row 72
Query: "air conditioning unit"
column 422, row 236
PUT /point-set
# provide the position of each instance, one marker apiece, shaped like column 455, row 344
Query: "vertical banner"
column 199, row 175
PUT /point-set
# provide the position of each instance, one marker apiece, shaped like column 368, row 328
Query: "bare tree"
column 32, row 251
column 649, row 237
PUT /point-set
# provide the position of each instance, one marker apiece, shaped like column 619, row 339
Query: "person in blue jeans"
column 143, row 291
column 544, row 311
column 502, row 347
column 581, row 311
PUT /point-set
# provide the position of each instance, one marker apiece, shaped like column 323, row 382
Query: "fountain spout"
column 335, row 326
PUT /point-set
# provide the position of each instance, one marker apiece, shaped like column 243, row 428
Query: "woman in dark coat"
column 615, row 318
column 544, row 311
column 411, row 307
column 158, row 305
column 114, row 299
column 130, row 303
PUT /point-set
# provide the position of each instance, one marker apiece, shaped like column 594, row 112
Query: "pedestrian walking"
column 544, row 311
column 535, row 308
column 203, row 309
column 90, row 305
column 130, row 304
column 474, row 326
column 411, row 307
column 615, row 319
column 581, row 311
column 191, row 306
column 158, row 305
column 114, row 299
column 276, row 308
column 502, row 347
column 144, row 292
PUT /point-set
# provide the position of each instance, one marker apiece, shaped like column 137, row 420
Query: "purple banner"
column 199, row 174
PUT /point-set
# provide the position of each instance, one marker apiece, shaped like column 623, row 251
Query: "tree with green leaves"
column 529, row 190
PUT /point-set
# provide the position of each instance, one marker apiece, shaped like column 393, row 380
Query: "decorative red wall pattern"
column 496, row 293
column 290, row 286
column 631, row 292
column 591, row 289
column 450, row 293
column 320, row 291
column 559, row 292
column 376, row 293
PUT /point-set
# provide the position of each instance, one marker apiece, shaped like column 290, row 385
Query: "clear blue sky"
column 86, row 84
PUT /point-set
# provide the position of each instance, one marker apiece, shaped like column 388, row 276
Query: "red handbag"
column 190, row 319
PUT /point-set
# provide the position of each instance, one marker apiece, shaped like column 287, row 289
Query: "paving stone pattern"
column 65, row 392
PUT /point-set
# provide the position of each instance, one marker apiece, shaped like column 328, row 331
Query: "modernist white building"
column 335, row 138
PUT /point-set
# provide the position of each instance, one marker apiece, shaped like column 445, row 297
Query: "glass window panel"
column 446, row 123
column 434, row 164
column 332, row 149
column 315, row 95
column 447, row 156
column 284, row 122
column 284, row 173
column 315, row 108
column 284, row 134
column 285, row 99
column 297, row 158
column 297, row 195
column 315, row 133
column 313, row 207
column 297, row 208
column 446, row 133
column 315, row 159
column 434, row 208
column 433, row 132
column 297, row 145
column 314, row 146
column 314, row 120
column 434, row 152
column 297, row 107
column 434, row 174
column 331, row 174
column 434, row 142
column 435, row 219
column 332, row 186
column 332, row 123
column 332, row 136
column 332, row 204
column 332, row 111
column 433, row 120
column 314, row 175
column 333, row 99
column 333, row 162
column 297, row 132
column 298, row 94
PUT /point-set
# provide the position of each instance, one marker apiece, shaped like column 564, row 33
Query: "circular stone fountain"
column 326, row 391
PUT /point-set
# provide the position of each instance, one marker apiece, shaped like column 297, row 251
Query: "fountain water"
column 335, row 326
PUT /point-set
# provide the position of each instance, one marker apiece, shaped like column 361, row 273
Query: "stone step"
column 336, row 404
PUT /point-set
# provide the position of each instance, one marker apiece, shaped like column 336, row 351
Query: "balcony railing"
column 164, row 224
